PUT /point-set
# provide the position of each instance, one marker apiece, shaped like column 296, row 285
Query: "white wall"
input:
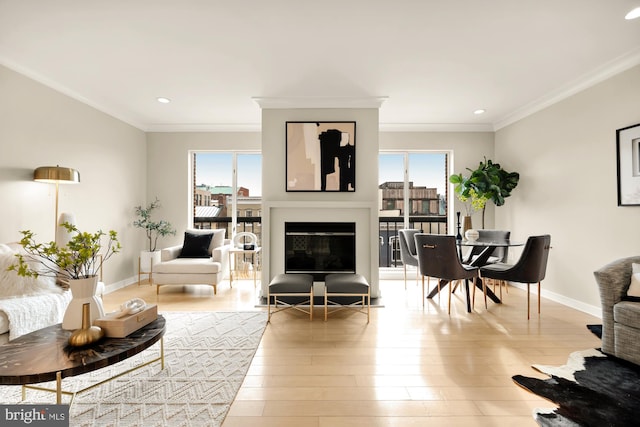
column 41, row 127
column 168, row 170
column 566, row 156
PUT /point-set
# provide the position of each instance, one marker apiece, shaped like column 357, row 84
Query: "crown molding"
column 319, row 102
column 68, row 92
column 600, row 74
column 383, row 127
column 205, row 127
column 436, row 127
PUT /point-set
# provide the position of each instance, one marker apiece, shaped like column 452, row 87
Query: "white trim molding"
column 319, row 102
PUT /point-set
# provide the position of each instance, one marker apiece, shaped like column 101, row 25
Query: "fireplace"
column 320, row 248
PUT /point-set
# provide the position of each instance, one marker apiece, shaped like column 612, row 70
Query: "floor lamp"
column 56, row 175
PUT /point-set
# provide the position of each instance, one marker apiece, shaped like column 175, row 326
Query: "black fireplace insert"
column 320, row 248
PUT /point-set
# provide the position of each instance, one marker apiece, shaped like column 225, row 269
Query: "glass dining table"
column 479, row 260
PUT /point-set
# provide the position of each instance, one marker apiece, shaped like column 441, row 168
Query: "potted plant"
column 153, row 230
column 76, row 264
column 488, row 182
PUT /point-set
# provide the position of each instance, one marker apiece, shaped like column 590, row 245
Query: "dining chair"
column 530, row 268
column 408, row 254
column 499, row 254
column 438, row 258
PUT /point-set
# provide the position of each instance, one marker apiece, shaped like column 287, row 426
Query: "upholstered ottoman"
column 290, row 285
column 347, row 285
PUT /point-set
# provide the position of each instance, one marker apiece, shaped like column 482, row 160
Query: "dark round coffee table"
column 45, row 355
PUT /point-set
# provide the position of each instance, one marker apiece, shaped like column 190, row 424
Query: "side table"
column 233, row 262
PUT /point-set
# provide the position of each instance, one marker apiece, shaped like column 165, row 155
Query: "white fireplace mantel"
column 364, row 214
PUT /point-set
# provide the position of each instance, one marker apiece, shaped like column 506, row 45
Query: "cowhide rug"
column 592, row 389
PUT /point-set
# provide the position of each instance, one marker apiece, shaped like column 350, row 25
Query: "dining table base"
column 444, row 283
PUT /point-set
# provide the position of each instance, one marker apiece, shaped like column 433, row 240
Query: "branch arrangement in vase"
column 154, row 229
column 80, row 258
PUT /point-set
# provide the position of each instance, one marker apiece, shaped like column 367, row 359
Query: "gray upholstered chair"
column 620, row 318
column 531, row 267
column 500, row 254
column 438, row 258
column 408, row 253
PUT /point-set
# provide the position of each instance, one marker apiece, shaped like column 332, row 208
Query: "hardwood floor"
column 411, row 366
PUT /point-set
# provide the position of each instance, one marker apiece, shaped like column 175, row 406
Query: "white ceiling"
column 435, row 61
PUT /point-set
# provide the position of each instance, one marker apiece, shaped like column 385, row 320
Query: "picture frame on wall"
column 628, row 156
column 321, row 156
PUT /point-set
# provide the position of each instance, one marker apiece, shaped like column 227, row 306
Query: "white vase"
column 148, row 260
column 82, row 291
column 472, row 235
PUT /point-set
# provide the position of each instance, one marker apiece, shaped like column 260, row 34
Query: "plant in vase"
column 471, row 204
column 488, row 182
column 153, row 230
column 75, row 264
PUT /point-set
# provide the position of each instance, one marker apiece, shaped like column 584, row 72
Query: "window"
column 412, row 193
column 227, row 188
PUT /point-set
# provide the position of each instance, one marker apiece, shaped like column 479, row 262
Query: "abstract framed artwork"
column 321, row 156
column 628, row 154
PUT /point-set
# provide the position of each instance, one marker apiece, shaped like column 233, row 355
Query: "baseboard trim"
column 561, row 299
column 112, row 287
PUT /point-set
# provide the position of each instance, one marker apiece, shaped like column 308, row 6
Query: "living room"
column 126, row 166
column 563, row 146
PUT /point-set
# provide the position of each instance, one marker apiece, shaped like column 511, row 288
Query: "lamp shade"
column 56, row 174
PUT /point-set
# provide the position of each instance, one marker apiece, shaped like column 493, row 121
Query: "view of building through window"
column 411, row 194
column 227, row 191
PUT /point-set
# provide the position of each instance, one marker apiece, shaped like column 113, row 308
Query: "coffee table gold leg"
column 58, row 387
column 24, row 392
column 162, row 353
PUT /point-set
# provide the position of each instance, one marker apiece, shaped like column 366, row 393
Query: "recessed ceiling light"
column 163, row 100
column 479, row 111
column 635, row 13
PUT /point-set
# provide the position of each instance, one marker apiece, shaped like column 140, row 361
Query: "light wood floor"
column 411, row 366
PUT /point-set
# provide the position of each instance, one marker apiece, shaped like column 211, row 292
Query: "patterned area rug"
column 592, row 389
column 207, row 355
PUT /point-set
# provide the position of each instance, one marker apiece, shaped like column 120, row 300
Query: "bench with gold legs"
column 290, row 286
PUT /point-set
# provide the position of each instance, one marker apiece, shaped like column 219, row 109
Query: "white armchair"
column 179, row 268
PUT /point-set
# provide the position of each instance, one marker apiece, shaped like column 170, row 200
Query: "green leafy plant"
column 80, row 258
column 488, row 182
column 472, row 203
column 154, row 229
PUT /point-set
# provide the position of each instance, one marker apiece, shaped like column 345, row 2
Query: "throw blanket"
column 30, row 313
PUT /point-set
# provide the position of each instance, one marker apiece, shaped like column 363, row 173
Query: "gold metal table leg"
column 59, row 392
column 58, row 387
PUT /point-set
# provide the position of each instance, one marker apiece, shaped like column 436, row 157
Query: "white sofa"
column 27, row 304
column 209, row 268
